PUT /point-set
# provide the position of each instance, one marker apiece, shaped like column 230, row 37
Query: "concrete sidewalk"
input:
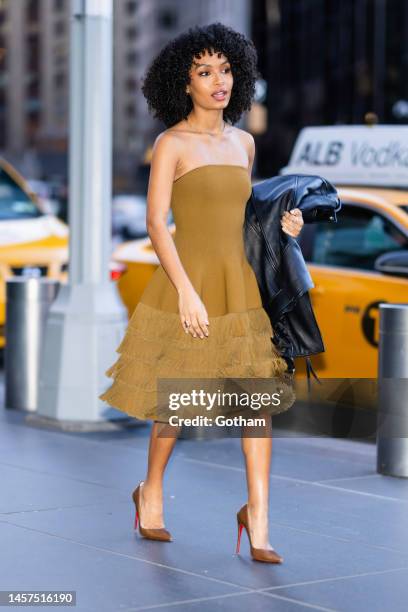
column 66, row 522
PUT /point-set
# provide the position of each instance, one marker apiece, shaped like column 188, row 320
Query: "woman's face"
column 211, row 81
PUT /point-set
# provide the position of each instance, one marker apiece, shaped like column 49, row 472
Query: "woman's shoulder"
column 244, row 135
column 168, row 134
column 167, row 140
column 247, row 141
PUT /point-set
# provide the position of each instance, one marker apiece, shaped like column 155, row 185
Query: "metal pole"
column 392, row 425
column 88, row 319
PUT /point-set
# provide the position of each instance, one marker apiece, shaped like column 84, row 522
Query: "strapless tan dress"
column 208, row 205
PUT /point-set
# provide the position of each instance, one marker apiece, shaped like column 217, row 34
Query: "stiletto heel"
column 258, row 554
column 136, row 519
column 240, row 527
column 151, row 533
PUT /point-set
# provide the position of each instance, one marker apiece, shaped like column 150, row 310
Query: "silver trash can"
column 28, row 300
column 392, row 415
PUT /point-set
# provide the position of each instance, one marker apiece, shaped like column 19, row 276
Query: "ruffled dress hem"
column 155, row 346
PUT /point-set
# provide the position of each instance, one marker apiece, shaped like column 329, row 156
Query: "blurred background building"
column 35, row 76
column 328, row 63
column 322, row 63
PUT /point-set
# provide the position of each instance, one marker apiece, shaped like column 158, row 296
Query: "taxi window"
column 14, row 202
column 356, row 240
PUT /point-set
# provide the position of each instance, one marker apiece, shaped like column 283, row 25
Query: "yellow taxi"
column 369, row 167
column 32, row 242
column 348, row 287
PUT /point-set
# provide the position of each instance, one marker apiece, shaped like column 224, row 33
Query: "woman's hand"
column 193, row 314
column 292, row 222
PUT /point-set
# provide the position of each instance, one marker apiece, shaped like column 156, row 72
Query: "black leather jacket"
column 277, row 260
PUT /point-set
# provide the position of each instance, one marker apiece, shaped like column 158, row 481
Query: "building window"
column 131, row 84
column 167, row 18
column 130, row 110
column 3, row 14
column 3, row 53
column 33, row 53
column 131, row 58
column 131, row 33
column 32, row 11
column 59, row 80
column 33, row 89
column 32, row 126
column 131, row 7
column 59, row 28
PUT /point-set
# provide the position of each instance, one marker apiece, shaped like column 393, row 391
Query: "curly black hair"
column 164, row 84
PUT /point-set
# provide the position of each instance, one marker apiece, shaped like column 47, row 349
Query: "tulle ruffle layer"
column 155, row 346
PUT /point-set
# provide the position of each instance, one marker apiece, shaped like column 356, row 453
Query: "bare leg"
column 257, row 452
column 151, row 492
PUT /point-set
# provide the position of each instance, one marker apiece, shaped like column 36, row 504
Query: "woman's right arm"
column 164, row 160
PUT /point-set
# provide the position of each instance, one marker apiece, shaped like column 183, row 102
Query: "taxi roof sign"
column 353, row 154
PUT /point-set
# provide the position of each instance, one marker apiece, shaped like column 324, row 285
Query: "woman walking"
column 201, row 313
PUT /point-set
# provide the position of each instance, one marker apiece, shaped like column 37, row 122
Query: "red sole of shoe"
column 240, row 527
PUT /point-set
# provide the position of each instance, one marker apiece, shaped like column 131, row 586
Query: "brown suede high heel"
column 159, row 533
column 258, row 554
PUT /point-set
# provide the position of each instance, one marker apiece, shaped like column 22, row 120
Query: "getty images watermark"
column 203, row 402
column 221, row 404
